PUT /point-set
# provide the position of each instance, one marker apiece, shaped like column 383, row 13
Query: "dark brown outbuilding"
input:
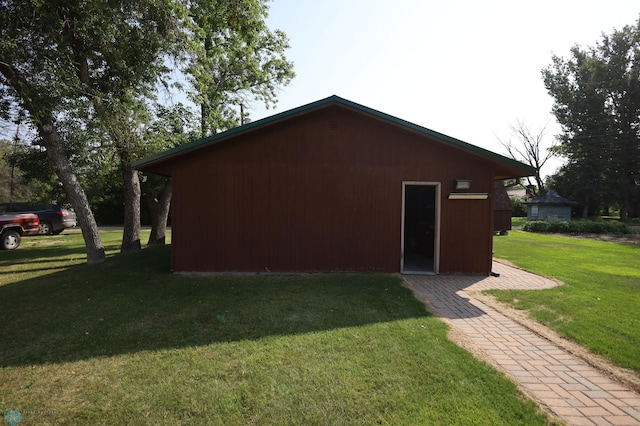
column 502, row 208
column 332, row 186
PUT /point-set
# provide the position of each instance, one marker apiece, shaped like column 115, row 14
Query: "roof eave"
column 184, row 149
column 518, row 169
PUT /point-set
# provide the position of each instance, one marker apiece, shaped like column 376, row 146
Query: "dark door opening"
column 419, row 229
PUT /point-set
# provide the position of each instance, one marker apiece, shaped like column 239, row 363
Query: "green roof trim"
column 332, row 100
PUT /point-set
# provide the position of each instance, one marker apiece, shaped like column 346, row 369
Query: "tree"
column 118, row 69
column 528, row 148
column 14, row 185
column 35, row 78
column 91, row 62
column 593, row 202
column 97, row 60
column 247, row 57
column 172, row 127
column 233, row 60
column 596, row 96
column 98, row 65
column 32, row 179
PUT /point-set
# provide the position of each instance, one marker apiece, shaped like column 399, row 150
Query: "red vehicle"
column 53, row 219
column 14, row 226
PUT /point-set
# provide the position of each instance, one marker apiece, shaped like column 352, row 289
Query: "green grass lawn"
column 518, row 222
column 599, row 304
column 127, row 342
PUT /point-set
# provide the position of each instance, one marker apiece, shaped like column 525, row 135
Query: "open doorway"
column 420, row 228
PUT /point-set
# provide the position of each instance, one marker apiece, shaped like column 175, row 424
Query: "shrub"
column 577, row 227
column 595, row 227
column 615, row 227
column 519, row 208
column 536, row 226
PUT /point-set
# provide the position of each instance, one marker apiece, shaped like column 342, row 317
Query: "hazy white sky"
column 468, row 69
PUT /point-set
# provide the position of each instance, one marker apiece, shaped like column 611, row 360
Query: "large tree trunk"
column 131, row 234
column 62, row 166
column 159, row 207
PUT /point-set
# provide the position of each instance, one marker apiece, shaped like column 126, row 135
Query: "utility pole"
column 243, row 117
column 12, row 185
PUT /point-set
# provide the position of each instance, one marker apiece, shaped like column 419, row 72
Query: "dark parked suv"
column 53, row 219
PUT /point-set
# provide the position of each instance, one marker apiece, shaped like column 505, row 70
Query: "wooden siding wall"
column 549, row 213
column 502, row 220
column 322, row 192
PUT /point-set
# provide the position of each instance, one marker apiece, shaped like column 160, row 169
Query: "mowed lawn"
column 127, row 342
column 599, row 304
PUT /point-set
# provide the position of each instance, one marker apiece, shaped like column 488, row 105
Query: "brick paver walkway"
column 566, row 385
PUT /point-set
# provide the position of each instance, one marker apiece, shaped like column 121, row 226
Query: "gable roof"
column 152, row 162
column 501, row 200
column 551, row 197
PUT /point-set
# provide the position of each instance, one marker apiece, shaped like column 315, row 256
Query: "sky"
column 468, row 69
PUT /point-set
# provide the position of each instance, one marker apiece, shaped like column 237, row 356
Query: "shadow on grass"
column 45, row 254
column 49, row 250
column 133, row 303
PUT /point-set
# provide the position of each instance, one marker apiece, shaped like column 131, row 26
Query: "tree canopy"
column 596, row 94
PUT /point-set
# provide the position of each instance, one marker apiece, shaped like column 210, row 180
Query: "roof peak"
column 322, row 103
column 549, row 196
